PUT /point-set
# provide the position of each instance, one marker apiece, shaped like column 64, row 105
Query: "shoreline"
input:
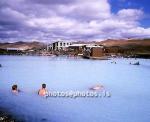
column 90, row 58
column 7, row 116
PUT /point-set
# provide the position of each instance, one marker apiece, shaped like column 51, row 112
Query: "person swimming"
column 15, row 89
column 97, row 87
column 42, row 91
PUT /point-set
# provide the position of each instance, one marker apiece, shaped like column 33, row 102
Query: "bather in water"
column 15, row 89
column 97, row 87
column 43, row 91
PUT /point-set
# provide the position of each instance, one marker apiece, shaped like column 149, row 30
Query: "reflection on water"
column 129, row 86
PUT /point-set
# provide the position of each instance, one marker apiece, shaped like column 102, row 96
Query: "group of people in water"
column 136, row 63
column 113, row 62
column 42, row 92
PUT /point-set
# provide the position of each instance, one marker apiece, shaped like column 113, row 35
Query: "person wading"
column 42, row 91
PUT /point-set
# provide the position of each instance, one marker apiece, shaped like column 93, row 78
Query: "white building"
column 15, row 49
column 58, row 45
column 85, row 45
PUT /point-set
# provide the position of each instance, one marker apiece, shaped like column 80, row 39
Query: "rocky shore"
column 6, row 116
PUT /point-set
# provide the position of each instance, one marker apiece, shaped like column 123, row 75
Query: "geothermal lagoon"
column 129, row 86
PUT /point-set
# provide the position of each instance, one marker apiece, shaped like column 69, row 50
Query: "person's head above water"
column 14, row 87
column 43, row 85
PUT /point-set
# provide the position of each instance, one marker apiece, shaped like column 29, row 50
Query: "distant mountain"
column 130, row 46
column 125, row 43
column 23, row 45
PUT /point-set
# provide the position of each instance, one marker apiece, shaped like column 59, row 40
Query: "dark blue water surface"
column 129, row 86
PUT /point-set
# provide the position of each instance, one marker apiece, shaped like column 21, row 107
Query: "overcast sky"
column 46, row 20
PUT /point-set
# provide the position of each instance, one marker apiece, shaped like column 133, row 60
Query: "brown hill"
column 23, row 45
column 126, row 43
column 140, row 47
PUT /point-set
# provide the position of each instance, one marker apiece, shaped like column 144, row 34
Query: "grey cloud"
column 52, row 2
column 67, row 19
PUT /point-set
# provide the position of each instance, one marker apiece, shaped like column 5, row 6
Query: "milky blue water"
column 129, row 86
